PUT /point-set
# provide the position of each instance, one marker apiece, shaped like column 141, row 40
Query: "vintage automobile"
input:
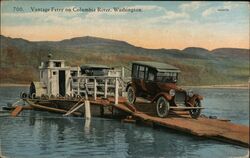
column 99, row 72
column 94, row 70
column 157, row 82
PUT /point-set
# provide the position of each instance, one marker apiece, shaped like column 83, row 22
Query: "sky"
column 170, row 25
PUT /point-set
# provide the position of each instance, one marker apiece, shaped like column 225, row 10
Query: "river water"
column 36, row 134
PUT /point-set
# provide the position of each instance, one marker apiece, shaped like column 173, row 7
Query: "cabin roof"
column 56, row 60
column 161, row 67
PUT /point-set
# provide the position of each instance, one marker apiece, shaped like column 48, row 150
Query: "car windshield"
column 167, row 77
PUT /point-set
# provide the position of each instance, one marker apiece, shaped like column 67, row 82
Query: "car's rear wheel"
column 131, row 95
column 162, row 107
column 195, row 113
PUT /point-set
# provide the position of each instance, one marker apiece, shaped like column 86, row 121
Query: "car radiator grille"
column 180, row 98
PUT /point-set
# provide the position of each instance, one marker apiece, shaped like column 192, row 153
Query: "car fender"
column 128, row 84
column 196, row 96
column 164, row 94
column 192, row 99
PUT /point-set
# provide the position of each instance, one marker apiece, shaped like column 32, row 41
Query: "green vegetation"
column 20, row 59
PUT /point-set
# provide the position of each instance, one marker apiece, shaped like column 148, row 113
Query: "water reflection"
column 87, row 126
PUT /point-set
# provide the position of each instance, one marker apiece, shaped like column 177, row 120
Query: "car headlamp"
column 172, row 92
column 190, row 93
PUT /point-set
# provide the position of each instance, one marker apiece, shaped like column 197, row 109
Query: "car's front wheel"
column 162, row 107
column 131, row 95
column 195, row 113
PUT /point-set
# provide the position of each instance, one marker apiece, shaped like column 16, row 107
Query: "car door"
column 135, row 78
column 140, row 79
column 150, row 83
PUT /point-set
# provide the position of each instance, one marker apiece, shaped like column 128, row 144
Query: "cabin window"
column 57, row 64
column 73, row 73
column 54, row 72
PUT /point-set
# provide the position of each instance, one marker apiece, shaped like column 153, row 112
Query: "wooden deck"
column 203, row 127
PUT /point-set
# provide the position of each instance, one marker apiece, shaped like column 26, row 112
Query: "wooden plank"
column 211, row 128
column 204, row 127
column 16, row 111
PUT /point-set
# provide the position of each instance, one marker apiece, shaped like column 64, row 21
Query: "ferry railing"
column 98, row 85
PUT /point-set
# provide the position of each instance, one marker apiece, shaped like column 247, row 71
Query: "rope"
column 75, row 105
column 16, row 102
column 70, row 112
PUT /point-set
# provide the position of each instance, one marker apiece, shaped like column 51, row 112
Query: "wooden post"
column 78, row 86
column 71, row 85
column 106, row 88
column 116, row 91
column 86, row 88
column 86, row 82
column 95, row 88
column 122, row 73
column 87, row 126
column 78, row 80
column 87, row 110
column 87, row 116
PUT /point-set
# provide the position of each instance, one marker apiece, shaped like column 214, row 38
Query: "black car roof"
column 161, row 67
column 94, row 66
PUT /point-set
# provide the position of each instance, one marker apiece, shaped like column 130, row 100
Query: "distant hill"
column 20, row 59
column 92, row 41
column 232, row 53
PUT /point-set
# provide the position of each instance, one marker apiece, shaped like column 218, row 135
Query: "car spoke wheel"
column 162, row 107
column 131, row 95
column 195, row 113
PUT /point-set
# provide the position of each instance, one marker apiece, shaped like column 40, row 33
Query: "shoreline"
column 230, row 86
column 14, row 85
column 234, row 86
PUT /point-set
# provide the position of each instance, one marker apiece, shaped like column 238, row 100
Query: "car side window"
column 141, row 72
column 151, row 75
column 146, row 73
column 135, row 70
